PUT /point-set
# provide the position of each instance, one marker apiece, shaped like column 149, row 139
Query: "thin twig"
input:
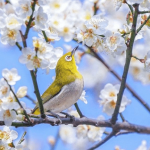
column 130, row 7
column 22, row 138
column 31, row 99
column 30, row 21
column 122, row 117
column 143, row 24
column 127, row 64
column 18, row 45
column 78, row 110
column 19, row 102
column 45, row 36
column 103, row 141
column 144, row 12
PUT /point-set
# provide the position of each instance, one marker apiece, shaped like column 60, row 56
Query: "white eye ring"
column 68, row 58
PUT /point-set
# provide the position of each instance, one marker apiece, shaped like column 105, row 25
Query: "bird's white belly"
column 68, row 95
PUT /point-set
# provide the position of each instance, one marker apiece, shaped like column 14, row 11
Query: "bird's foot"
column 56, row 116
column 68, row 116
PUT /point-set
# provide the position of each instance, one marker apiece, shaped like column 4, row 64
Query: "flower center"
column 57, row 5
column 112, row 94
column 113, row 104
column 66, row 29
column 113, row 39
column 13, row 21
column 11, row 34
column 4, row 90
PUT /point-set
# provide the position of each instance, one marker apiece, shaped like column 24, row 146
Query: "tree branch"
column 127, row 64
column 143, row 24
column 103, row 141
column 87, row 121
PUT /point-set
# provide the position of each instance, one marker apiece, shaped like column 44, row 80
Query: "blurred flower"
column 67, row 133
column 24, row 8
column 142, row 146
column 82, row 97
column 22, row 91
column 131, row 2
column 4, row 88
column 40, row 17
column 51, row 140
column 13, row 22
column 11, row 75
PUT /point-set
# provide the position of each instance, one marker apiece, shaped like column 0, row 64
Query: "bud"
column 129, row 18
column 22, row 91
column 51, row 140
column 20, row 117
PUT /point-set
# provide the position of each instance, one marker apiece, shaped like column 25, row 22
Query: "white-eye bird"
column 66, row 88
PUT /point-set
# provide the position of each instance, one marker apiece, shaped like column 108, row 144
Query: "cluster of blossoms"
column 84, row 133
column 8, row 103
column 109, row 98
column 6, row 140
column 43, row 56
column 94, row 33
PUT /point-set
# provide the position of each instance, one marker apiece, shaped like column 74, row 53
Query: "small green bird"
column 66, row 88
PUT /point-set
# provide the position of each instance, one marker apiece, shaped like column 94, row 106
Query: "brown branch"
column 87, row 121
column 103, row 141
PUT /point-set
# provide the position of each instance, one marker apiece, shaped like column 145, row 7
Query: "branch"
column 37, row 93
column 130, row 7
column 30, row 21
column 45, row 36
column 118, row 77
column 18, row 45
column 143, row 24
column 31, row 99
column 87, row 121
column 22, row 138
column 127, row 64
column 144, row 12
column 103, row 141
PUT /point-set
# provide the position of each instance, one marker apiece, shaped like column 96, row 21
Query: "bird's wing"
column 51, row 91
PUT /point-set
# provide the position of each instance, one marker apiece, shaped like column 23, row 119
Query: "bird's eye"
column 68, row 58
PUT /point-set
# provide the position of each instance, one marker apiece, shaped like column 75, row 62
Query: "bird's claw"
column 56, row 116
column 68, row 116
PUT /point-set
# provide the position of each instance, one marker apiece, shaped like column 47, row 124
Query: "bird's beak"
column 73, row 51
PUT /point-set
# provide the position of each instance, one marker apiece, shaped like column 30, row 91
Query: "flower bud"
column 22, row 91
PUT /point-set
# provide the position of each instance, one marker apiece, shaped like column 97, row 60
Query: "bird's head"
column 67, row 62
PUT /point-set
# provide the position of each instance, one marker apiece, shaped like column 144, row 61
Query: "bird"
column 65, row 89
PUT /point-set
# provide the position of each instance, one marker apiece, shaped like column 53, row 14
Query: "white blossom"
column 143, row 146
column 97, row 25
column 13, row 22
column 4, row 88
column 82, row 97
column 11, row 75
column 109, row 98
column 8, row 116
column 41, row 18
column 67, row 134
column 10, row 36
column 9, row 135
column 4, row 145
column 22, row 91
column 24, row 8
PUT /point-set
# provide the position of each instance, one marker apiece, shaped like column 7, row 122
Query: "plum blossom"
column 22, row 91
column 109, row 98
column 24, row 8
column 97, row 25
column 13, row 22
column 8, row 116
column 4, row 88
column 40, row 17
column 10, row 36
column 11, row 75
